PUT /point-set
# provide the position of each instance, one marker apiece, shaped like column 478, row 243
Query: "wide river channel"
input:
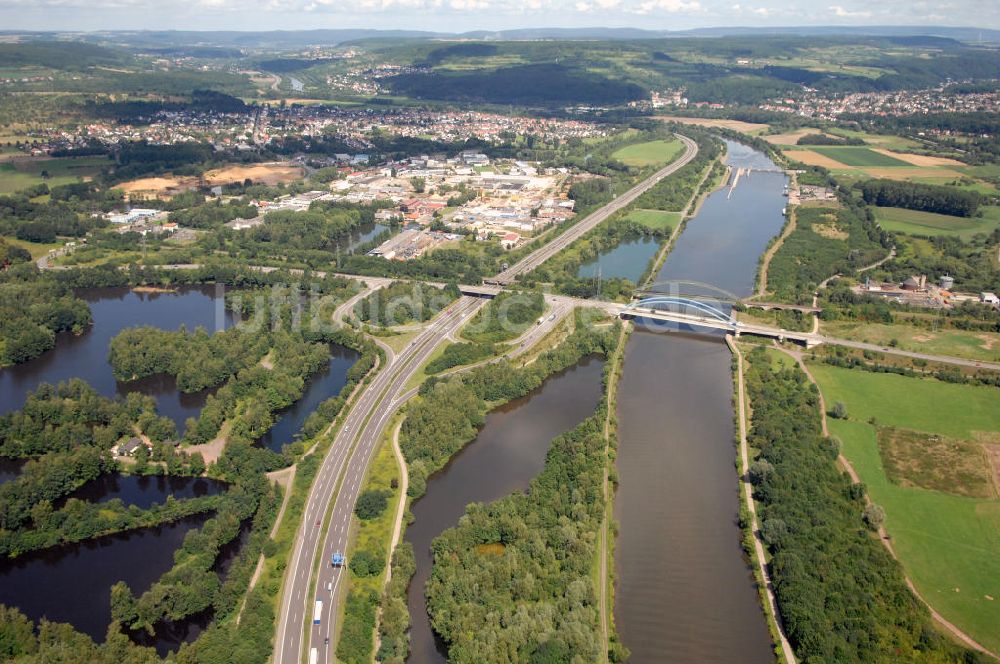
column 685, row 592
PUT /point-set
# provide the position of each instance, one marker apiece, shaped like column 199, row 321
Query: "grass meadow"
column 948, row 543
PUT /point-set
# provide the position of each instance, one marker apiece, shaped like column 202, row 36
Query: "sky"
column 461, row 15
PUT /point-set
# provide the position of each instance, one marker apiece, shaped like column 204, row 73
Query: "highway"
column 548, row 250
column 339, row 480
column 337, row 484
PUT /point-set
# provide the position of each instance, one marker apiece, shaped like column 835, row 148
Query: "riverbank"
column 753, row 540
column 605, row 552
column 789, row 228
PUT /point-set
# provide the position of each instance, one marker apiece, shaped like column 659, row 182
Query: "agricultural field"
column 650, row 153
column 860, row 157
column 969, row 344
column 944, row 518
column 18, row 174
column 915, row 222
column 655, row 219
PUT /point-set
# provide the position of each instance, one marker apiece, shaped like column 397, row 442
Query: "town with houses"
column 261, row 125
column 435, row 198
column 812, row 103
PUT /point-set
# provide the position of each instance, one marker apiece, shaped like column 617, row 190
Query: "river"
column 508, row 452
column 685, row 592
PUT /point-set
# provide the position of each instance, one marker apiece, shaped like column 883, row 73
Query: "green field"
column 650, row 153
column 889, row 141
column 36, row 249
column 858, row 156
column 20, row 174
column 655, row 219
column 957, row 343
column 949, row 544
column 915, row 222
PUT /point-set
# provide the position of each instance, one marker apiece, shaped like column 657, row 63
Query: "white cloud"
column 667, row 6
column 840, row 12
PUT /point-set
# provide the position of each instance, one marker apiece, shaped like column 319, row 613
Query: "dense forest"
column 534, row 84
column 32, row 310
column 820, row 547
column 825, row 241
column 404, row 302
column 514, row 582
column 198, row 359
column 924, row 197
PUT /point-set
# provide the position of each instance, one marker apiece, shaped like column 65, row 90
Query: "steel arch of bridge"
column 687, row 288
column 686, row 302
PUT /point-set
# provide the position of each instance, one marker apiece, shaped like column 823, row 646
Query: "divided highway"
column 550, row 249
column 338, row 482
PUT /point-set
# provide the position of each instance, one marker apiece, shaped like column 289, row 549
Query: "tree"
column 773, row 531
column 759, row 471
column 418, row 184
column 366, row 563
column 873, row 515
column 17, row 634
column 370, row 504
column 839, row 411
column 123, row 605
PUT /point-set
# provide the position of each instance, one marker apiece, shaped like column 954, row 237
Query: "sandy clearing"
column 261, row 173
column 810, row 158
column 155, row 185
column 736, row 125
column 919, row 159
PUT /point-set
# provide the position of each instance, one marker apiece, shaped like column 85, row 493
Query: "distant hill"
column 68, row 56
column 297, row 39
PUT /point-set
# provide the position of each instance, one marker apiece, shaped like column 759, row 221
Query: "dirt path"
column 212, row 450
column 889, row 257
column 955, row 631
column 765, row 262
column 758, row 545
column 602, row 554
column 404, row 485
column 283, row 478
